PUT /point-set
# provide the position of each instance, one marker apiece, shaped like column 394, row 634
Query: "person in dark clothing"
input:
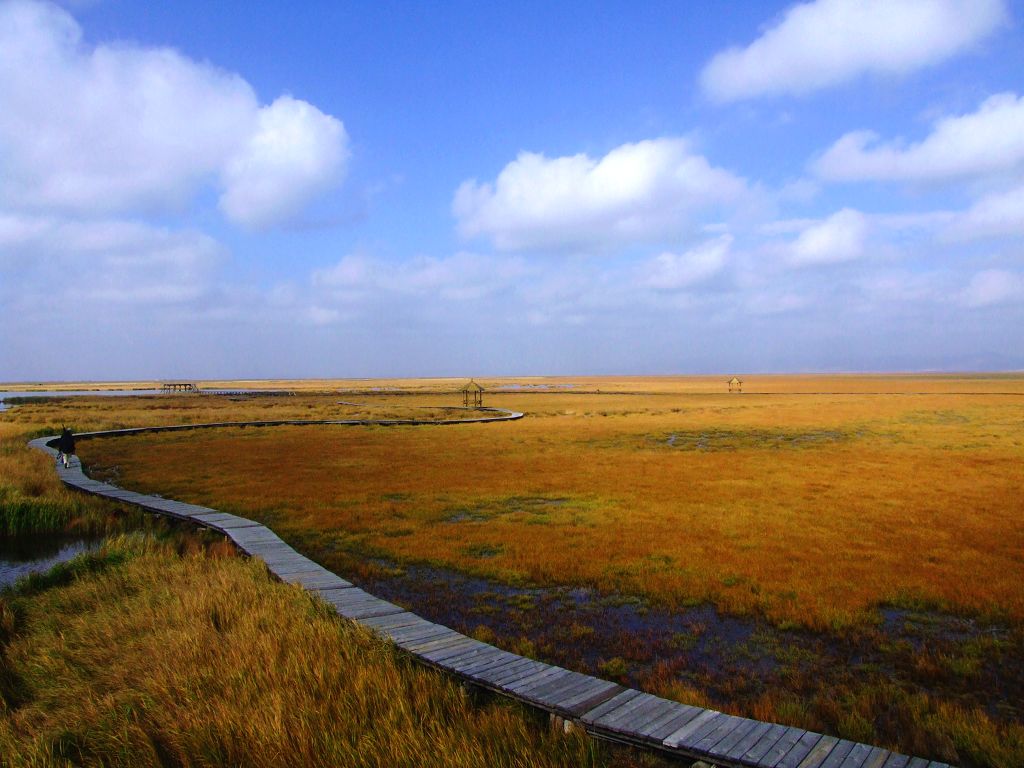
column 66, row 446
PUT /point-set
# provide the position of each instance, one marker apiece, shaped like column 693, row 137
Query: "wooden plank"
column 674, row 719
column 485, row 665
column 289, row 567
column 413, row 632
column 876, row 758
column 937, row 764
column 698, row 733
column 838, row 754
column 455, row 661
column 856, row 757
column 558, row 690
column 917, row 762
column 514, row 672
column 407, row 632
column 545, row 674
column 682, row 732
column 755, row 753
column 647, row 710
column 440, row 654
column 611, row 720
column 280, row 560
column 733, row 738
column 423, row 637
column 586, row 700
column 821, row 751
column 317, row 580
column 748, row 740
column 610, row 706
column 564, row 698
column 254, row 534
column 394, row 621
column 715, row 735
column 410, row 630
column 285, row 563
column 800, row 750
column 781, row 747
column 896, row 760
column 499, row 674
column 493, row 675
column 424, row 644
column 365, row 611
column 346, row 596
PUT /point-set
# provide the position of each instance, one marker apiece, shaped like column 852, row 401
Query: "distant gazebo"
column 472, row 395
column 735, row 384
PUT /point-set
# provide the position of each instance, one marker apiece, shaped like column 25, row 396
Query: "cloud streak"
column 989, row 141
column 825, row 43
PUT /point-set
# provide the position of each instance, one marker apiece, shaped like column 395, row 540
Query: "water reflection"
column 22, row 555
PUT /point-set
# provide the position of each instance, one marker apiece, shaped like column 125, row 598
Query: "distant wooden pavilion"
column 472, row 395
column 735, row 384
column 178, row 386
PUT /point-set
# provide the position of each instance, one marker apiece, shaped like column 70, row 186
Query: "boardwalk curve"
column 604, row 709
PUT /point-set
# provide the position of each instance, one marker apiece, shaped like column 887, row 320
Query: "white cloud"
column 671, row 271
column 820, row 44
column 122, row 128
column 636, row 193
column 988, row 141
column 124, row 262
column 993, row 286
column 460, row 277
column 836, row 239
column 294, row 154
column 995, row 215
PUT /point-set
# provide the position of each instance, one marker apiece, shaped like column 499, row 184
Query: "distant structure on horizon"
column 178, row 386
column 472, row 395
column 735, row 384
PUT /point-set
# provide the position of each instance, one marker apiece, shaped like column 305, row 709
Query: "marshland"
column 836, row 553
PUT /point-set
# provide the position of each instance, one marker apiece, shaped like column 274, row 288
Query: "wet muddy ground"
column 730, row 660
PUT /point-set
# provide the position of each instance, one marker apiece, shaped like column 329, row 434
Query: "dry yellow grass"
column 148, row 658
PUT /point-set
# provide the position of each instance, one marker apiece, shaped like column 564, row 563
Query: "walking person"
column 66, row 446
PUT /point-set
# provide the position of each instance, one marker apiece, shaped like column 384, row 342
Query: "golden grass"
column 808, row 509
column 154, row 659
column 150, row 652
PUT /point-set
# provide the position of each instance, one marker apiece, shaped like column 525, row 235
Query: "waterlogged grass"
column 33, row 500
column 139, row 656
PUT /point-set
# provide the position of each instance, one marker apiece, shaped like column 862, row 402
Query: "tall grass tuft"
column 138, row 656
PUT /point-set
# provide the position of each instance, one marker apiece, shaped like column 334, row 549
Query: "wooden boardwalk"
column 604, row 709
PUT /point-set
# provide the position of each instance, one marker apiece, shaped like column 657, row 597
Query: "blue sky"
column 409, row 189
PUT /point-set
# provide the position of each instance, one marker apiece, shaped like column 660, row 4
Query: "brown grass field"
column 805, row 506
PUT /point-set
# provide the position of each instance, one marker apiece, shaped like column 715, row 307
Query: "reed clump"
column 146, row 657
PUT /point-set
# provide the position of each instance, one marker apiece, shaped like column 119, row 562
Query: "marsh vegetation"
column 844, row 562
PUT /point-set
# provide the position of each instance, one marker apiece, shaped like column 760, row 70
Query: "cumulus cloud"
column 993, row 286
column 987, row 141
column 636, row 193
column 672, row 271
column 838, row 238
column 121, row 128
column 820, row 44
column 294, row 153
